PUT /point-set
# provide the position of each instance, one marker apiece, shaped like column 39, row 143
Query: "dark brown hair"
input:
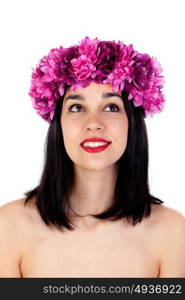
column 132, row 197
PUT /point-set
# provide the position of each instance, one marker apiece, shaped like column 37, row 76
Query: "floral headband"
column 102, row 62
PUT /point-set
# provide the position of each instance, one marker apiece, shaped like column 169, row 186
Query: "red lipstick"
column 95, row 149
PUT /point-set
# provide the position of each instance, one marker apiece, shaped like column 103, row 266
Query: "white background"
column 29, row 29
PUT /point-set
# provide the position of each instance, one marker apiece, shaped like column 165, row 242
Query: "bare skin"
column 28, row 248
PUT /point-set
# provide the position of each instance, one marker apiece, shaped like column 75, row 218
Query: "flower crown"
column 102, row 62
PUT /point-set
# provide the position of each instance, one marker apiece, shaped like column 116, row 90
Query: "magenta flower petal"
column 102, row 62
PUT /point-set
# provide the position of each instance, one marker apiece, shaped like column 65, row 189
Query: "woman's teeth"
column 94, row 144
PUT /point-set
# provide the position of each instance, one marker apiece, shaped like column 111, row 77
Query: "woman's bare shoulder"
column 163, row 220
column 11, row 209
column 15, row 233
column 16, row 212
column 165, row 215
column 169, row 225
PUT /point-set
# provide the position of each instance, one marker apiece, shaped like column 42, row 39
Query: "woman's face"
column 94, row 111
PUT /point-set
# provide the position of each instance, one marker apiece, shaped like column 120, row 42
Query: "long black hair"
column 132, row 196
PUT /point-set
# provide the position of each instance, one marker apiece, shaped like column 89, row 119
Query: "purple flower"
column 66, row 68
column 107, row 55
column 143, row 70
column 145, row 88
column 102, row 62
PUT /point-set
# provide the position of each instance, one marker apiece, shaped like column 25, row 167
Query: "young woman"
column 92, row 214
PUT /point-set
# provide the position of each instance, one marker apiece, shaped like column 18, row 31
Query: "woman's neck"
column 93, row 190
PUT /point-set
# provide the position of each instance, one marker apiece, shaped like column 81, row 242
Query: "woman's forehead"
column 91, row 88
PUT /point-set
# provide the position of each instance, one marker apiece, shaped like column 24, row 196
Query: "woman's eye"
column 74, row 106
column 110, row 105
column 113, row 105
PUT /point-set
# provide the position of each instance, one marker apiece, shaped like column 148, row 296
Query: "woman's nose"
column 94, row 122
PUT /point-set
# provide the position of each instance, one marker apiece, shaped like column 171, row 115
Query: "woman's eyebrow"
column 104, row 96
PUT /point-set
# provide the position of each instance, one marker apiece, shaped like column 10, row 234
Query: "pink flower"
column 102, row 62
column 88, row 48
column 82, row 67
column 151, row 99
column 123, row 69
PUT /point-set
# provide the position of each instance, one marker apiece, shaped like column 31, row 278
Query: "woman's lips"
column 95, row 149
